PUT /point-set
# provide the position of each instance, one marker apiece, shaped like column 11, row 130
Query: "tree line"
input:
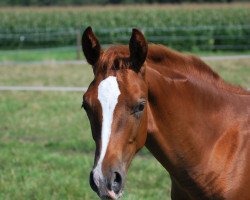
column 88, row 2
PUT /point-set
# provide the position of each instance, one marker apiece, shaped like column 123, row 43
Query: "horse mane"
column 189, row 66
column 184, row 64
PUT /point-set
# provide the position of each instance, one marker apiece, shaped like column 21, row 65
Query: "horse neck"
column 184, row 120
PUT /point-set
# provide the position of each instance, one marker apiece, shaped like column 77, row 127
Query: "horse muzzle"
column 109, row 186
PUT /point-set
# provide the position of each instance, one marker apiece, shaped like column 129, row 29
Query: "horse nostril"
column 92, row 182
column 116, row 184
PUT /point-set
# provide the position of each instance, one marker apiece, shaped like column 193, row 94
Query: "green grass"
column 233, row 71
column 23, row 19
column 60, row 54
column 39, row 54
column 45, row 140
column 47, row 151
column 229, row 20
column 46, row 75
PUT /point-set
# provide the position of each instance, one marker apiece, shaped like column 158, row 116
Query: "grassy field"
column 215, row 26
column 40, row 54
column 234, row 71
column 45, row 140
column 71, row 54
column 47, row 151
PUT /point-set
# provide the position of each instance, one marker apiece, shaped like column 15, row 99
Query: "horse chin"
column 114, row 195
column 111, row 195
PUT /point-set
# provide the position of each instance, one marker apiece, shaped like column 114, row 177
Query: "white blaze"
column 108, row 93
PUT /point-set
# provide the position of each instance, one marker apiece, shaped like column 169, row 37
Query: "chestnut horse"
column 196, row 125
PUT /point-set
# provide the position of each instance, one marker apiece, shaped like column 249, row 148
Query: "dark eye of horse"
column 139, row 107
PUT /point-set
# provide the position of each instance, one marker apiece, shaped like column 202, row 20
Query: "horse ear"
column 138, row 48
column 90, row 46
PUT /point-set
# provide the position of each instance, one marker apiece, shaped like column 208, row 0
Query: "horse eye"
column 140, row 107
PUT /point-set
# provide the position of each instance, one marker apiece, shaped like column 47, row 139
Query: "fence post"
column 78, row 45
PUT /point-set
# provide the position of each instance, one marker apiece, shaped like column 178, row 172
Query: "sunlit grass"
column 46, row 75
column 49, row 54
column 62, row 54
column 234, row 71
column 47, row 151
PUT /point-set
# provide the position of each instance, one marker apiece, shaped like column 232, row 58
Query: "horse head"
column 116, row 105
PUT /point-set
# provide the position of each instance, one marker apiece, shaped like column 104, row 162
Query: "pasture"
column 61, row 54
column 191, row 27
column 46, row 149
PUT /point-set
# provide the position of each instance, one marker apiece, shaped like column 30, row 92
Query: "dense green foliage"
column 84, row 2
column 180, row 27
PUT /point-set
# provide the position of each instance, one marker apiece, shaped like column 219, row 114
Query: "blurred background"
column 46, row 147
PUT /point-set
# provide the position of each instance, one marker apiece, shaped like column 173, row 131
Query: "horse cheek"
column 142, row 133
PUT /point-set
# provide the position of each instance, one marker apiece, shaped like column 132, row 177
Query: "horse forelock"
column 114, row 58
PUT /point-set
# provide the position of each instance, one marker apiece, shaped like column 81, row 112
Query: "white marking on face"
column 108, row 93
